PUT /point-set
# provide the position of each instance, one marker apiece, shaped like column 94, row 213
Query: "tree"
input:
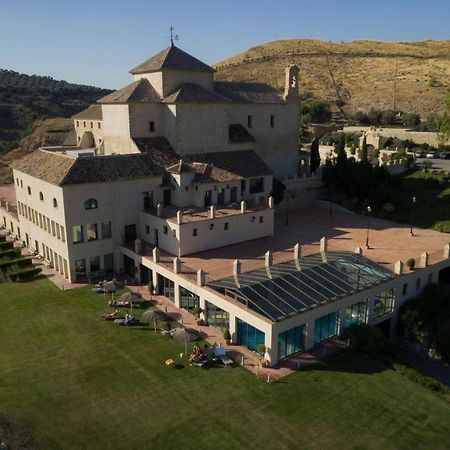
column 278, row 188
column 387, row 117
column 364, row 153
column 411, row 119
column 340, row 150
column 315, row 156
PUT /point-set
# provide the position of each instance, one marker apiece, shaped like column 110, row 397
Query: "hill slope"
column 27, row 98
column 359, row 74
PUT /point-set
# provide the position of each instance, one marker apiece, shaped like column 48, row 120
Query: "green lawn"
column 432, row 207
column 69, row 380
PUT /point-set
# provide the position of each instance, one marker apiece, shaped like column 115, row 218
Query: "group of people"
column 200, row 354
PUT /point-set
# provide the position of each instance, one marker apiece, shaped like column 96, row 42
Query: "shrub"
column 24, row 274
column 411, row 263
column 2, row 238
column 261, row 349
column 388, row 207
column 12, row 253
column 20, row 262
column 227, row 335
column 366, row 339
column 6, row 245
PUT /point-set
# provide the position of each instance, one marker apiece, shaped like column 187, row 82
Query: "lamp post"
column 369, row 210
column 411, row 232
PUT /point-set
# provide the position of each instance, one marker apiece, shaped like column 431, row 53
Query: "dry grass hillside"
column 360, row 74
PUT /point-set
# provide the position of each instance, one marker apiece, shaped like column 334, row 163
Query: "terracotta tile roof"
column 238, row 133
column 248, row 92
column 180, row 167
column 193, row 93
column 159, row 150
column 227, row 166
column 92, row 112
column 63, row 170
column 172, row 58
column 140, row 91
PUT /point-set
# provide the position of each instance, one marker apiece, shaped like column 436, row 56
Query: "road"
column 437, row 163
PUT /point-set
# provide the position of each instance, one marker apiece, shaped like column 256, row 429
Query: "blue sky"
column 98, row 41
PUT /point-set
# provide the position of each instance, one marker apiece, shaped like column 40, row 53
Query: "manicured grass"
column 432, row 207
column 69, row 380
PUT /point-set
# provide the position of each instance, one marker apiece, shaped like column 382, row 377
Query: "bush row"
column 19, row 262
column 6, row 245
column 13, row 253
column 24, row 274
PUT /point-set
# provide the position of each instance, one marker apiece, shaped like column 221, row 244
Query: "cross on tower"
column 173, row 37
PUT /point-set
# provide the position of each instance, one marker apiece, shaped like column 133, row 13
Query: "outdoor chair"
column 220, row 353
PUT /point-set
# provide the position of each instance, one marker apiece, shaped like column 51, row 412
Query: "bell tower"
column 291, row 83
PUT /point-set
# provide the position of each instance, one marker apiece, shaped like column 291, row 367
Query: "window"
column 106, row 230
column 151, row 126
column 53, row 228
column 188, row 300
column 166, row 287
column 99, row 125
column 63, row 234
column 194, row 232
column 261, row 219
column 17, row 181
column 405, row 289
column 40, row 220
column 243, row 186
column 249, row 121
column 29, row 190
column 291, row 341
column 384, row 303
column 225, row 227
column 41, row 196
column 58, row 232
column 80, row 266
column 55, row 203
column 272, row 121
column 108, row 262
column 92, row 124
column 77, row 234
column 418, row 283
column 256, row 185
column 147, row 229
column 78, row 123
column 21, row 183
column 248, row 335
column 95, row 263
column 165, row 229
column 326, row 327
column 217, row 317
column 84, row 123
column 90, row 203
column 357, row 313
column 91, row 232
column 48, row 225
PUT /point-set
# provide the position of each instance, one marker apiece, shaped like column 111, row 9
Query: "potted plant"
column 411, row 263
column 261, row 350
column 197, row 311
column 227, row 337
column 151, row 288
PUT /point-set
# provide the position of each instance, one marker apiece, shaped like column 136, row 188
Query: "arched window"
column 90, row 203
column 55, row 203
column 41, row 196
column 29, row 190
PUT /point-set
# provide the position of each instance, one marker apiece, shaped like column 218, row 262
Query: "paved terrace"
column 192, row 214
column 8, row 194
column 388, row 242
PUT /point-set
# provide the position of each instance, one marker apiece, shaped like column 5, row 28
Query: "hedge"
column 20, row 262
column 2, row 238
column 13, row 253
column 24, row 274
column 6, row 245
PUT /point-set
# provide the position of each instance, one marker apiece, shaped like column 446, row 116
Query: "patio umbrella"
column 131, row 297
column 112, row 286
column 186, row 335
column 153, row 315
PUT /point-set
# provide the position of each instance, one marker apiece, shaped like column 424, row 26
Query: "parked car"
column 420, row 153
column 431, row 155
column 445, row 155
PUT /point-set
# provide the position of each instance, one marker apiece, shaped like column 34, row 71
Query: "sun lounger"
column 112, row 317
column 220, row 353
column 209, row 359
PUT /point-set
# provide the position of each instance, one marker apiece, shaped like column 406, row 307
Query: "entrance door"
column 156, row 237
column 145, row 274
column 208, row 198
column 36, row 246
column 221, row 197
column 27, row 239
column 233, row 195
column 167, row 196
column 130, row 233
column 148, row 200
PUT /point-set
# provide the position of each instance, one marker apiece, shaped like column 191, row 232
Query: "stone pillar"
column 243, row 206
column 232, row 329
column 358, row 250
column 447, row 251
column 309, row 335
column 236, row 267
column 341, row 320
column 268, row 259
column 201, row 277
column 177, row 299
column 179, row 217
column 7, row 206
column 271, row 202
column 212, row 212
column 424, row 257
column 138, row 246
column 159, row 209
column 398, row 267
column 156, row 255
column 323, row 245
column 176, row 265
column 297, row 252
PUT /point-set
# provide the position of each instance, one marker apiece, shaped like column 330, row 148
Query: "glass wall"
column 248, row 335
column 384, row 303
column 326, row 327
column 357, row 313
column 291, row 341
column 217, row 317
column 166, row 287
column 188, row 300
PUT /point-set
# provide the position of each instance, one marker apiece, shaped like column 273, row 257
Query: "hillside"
column 27, row 98
column 358, row 75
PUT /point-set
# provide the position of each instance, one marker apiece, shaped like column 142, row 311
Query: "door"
column 156, row 237
column 221, row 197
column 130, row 233
column 233, row 195
column 167, row 196
column 148, row 200
column 208, row 198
